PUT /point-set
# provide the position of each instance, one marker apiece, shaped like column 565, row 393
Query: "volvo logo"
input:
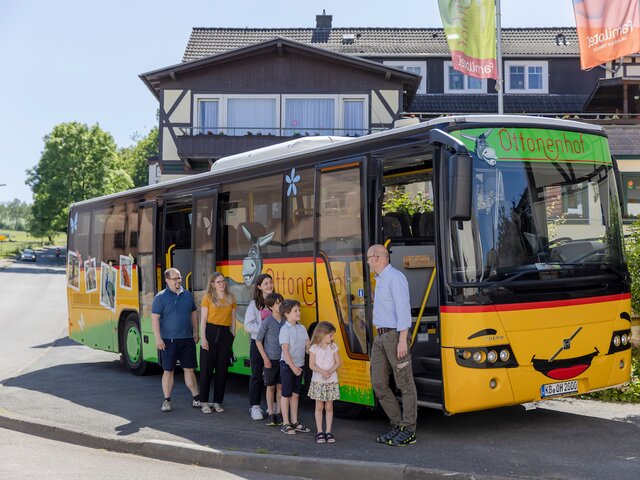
column 566, row 344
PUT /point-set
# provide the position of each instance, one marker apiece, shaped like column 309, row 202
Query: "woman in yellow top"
column 218, row 328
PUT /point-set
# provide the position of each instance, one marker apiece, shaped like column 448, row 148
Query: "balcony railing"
column 276, row 132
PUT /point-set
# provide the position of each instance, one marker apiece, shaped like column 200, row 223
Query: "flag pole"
column 499, row 81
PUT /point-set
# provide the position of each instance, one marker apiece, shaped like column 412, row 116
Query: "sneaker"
column 405, row 437
column 288, row 429
column 205, row 408
column 218, row 407
column 272, row 420
column 166, row 406
column 196, row 404
column 387, row 437
column 256, row 413
column 279, row 419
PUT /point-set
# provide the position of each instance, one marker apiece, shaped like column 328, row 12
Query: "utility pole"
column 499, row 80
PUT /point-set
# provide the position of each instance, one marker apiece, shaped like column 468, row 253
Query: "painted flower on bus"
column 292, row 179
column 73, row 223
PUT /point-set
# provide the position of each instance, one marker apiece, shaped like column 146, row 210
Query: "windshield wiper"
column 506, row 281
column 606, row 266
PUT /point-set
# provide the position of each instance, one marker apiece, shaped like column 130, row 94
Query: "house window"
column 458, row 82
column 286, row 115
column 208, row 116
column 527, row 77
column 631, row 193
column 413, row 67
column 309, row 116
column 251, row 116
column 353, row 117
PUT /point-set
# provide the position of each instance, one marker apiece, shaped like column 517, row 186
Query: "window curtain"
column 309, row 116
column 208, row 117
column 353, row 122
column 251, row 115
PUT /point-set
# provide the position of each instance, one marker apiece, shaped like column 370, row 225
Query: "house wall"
column 565, row 76
column 288, row 73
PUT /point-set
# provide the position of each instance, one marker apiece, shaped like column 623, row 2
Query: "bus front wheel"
column 132, row 345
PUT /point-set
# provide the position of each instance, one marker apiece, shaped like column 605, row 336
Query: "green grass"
column 18, row 240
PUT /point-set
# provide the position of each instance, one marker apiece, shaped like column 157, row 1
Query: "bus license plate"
column 562, row 388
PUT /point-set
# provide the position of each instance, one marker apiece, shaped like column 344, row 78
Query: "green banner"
column 470, row 28
column 504, row 144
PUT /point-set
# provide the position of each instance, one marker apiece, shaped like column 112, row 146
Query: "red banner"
column 607, row 30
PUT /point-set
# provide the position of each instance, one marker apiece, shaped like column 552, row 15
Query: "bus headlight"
column 486, row 357
column 504, row 355
column 479, row 356
column 620, row 341
column 492, row 356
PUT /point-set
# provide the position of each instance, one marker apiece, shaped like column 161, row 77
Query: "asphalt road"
column 48, row 378
column 27, row 457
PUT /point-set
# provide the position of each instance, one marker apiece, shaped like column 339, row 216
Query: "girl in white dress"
column 324, row 360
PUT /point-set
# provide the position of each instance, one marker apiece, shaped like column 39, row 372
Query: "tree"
column 15, row 215
column 78, row 162
column 134, row 159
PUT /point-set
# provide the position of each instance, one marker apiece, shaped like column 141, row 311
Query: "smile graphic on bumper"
column 564, row 369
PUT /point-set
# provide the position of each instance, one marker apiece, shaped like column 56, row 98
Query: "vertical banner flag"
column 607, row 29
column 470, row 28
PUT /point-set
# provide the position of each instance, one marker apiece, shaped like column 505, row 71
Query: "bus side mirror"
column 460, row 169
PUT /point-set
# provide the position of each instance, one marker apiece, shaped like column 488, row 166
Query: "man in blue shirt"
column 390, row 351
column 174, row 320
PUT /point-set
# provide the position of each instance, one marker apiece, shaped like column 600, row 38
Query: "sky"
column 79, row 60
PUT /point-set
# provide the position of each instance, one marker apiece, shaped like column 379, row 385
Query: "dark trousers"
column 256, row 383
column 214, row 362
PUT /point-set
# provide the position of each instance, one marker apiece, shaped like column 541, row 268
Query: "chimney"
column 324, row 21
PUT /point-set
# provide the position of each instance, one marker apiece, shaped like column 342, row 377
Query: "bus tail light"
column 499, row 356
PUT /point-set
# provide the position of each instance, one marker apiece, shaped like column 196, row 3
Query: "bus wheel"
column 132, row 345
column 347, row 410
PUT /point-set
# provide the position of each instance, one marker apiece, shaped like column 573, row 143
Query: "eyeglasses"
column 219, row 282
column 175, row 279
column 372, row 256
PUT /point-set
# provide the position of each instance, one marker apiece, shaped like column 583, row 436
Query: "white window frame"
column 226, row 99
column 222, row 107
column 197, row 98
column 223, row 99
column 466, row 89
column 422, row 88
column 526, row 63
column 365, row 109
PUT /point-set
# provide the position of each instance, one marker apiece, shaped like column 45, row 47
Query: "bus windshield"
column 535, row 217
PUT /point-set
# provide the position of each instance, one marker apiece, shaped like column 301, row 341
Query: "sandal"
column 320, row 438
column 288, row 429
column 300, row 428
column 329, row 437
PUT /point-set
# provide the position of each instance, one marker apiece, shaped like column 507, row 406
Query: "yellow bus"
column 508, row 229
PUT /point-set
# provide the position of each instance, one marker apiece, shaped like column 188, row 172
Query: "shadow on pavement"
column 61, row 342
column 507, row 441
column 33, row 270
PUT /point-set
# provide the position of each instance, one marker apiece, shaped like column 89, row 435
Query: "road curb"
column 191, row 454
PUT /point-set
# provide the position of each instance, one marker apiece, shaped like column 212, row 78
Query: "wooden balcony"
column 196, row 147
